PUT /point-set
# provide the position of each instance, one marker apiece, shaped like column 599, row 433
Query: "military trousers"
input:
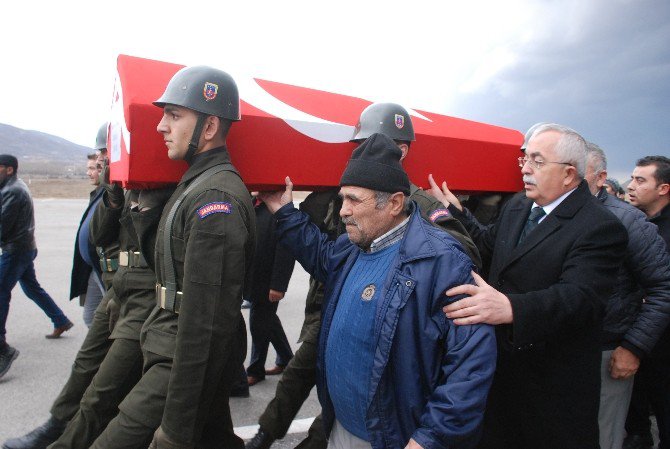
column 297, row 381
column 141, row 412
column 86, row 363
column 118, row 373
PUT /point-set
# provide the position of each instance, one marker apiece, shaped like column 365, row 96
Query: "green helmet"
column 389, row 119
column 529, row 134
column 203, row 89
column 101, row 138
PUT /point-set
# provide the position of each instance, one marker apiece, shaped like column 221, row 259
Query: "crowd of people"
column 538, row 319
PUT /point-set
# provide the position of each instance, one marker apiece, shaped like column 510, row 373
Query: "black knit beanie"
column 9, row 161
column 375, row 165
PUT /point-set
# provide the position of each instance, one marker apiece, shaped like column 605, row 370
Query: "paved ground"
column 39, row 372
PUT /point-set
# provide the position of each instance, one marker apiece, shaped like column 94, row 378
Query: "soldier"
column 134, row 287
column 299, row 377
column 194, row 340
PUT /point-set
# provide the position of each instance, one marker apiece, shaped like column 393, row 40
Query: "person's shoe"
column 253, row 380
column 58, row 331
column 262, row 440
column 246, row 304
column 275, row 371
column 7, row 356
column 39, row 438
column 241, row 391
column 638, row 442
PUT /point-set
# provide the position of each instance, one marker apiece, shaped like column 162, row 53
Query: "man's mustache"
column 528, row 179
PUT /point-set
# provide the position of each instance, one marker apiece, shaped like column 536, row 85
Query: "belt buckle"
column 123, row 258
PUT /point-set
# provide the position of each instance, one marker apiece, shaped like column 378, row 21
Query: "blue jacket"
column 430, row 379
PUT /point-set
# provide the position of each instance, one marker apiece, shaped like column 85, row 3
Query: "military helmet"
column 101, row 138
column 389, row 119
column 203, row 89
column 529, row 134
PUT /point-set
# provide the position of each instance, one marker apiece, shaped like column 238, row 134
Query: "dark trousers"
column 293, row 388
column 141, row 412
column 19, row 267
column 265, row 328
column 86, row 363
column 118, row 373
column 651, row 389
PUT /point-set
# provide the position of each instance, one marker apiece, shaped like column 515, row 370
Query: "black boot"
column 38, row 438
column 262, row 440
column 635, row 441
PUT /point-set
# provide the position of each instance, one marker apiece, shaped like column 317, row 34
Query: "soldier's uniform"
column 134, row 286
column 104, row 230
column 194, row 346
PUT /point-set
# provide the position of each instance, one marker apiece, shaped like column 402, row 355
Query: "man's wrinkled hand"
column 623, row 363
column 484, row 304
column 162, row 441
column 443, row 195
column 113, row 311
column 275, row 295
column 275, row 200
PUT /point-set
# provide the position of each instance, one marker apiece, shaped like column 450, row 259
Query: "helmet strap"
column 195, row 140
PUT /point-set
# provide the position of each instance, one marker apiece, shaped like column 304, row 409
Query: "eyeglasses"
column 538, row 163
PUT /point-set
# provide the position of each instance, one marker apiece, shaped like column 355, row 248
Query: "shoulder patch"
column 439, row 213
column 214, row 208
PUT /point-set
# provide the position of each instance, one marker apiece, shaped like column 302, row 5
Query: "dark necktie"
column 533, row 220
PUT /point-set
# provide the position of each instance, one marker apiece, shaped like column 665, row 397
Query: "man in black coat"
column 551, row 272
column 638, row 311
column 649, row 191
column 272, row 269
column 86, row 278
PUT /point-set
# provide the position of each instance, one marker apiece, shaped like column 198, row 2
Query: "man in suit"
column 553, row 253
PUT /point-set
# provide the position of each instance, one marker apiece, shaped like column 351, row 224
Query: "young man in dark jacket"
column 638, row 310
column 17, row 240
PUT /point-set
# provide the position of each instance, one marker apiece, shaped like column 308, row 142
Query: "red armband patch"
column 439, row 213
column 214, row 208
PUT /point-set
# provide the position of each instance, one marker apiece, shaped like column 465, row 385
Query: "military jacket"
column 134, row 286
column 213, row 238
column 434, row 212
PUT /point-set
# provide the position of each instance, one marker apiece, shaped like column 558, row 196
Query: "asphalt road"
column 36, row 377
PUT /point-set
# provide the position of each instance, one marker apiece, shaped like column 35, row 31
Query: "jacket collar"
column 552, row 223
column 415, row 244
column 203, row 161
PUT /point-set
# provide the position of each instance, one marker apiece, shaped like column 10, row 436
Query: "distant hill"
column 43, row 154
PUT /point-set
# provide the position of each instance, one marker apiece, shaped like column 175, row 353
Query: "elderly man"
column 553, row 253
column 393, row 372
column 649, row 191
column 632, row 326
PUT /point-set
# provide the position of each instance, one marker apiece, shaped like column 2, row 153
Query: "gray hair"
column 382, row 199
column 570, row 148
column 597, row 155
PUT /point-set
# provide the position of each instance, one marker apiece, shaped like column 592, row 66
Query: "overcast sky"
column 599, row 66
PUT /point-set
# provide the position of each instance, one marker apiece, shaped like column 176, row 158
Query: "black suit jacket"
column 273, row 264
column 80, row 269
column 547, row 384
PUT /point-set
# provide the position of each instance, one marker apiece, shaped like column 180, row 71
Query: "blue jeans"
column 18, row 267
